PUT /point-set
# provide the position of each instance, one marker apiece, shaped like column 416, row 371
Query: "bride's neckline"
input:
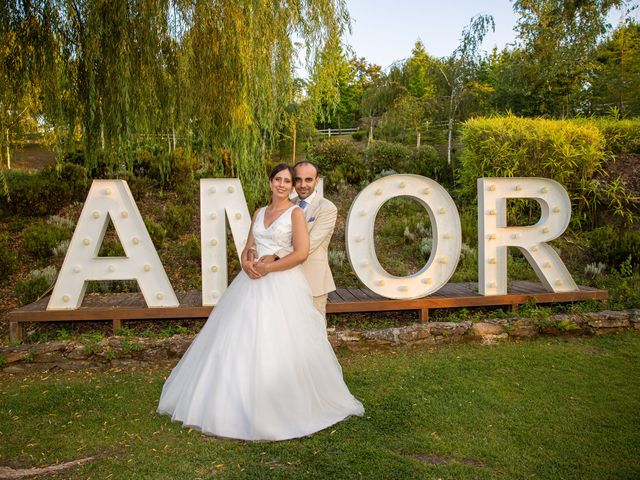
column 264, row 211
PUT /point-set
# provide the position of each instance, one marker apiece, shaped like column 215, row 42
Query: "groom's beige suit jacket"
column 321, row 217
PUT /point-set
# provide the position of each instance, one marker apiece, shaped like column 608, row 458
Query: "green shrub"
column 427, row 162
column 213, row 165
column 615, row 247
column 359, row 135
column 339, row 161
column 190, row 249
column 38, row 282
column 170, row 169
column 178, row 219
column 74, row 178
column 383, row 156
column 111, row 248
column 331, row 153
column 156, row 232
column 8, row 258
column 621, row 136
column 40, row 239
column 44, row 192
column 140, row 187
column 112, row 286
column 569, row 152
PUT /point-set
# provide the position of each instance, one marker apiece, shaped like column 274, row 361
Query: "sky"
column 385, row 31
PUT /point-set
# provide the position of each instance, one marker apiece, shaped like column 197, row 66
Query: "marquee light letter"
column 494, row 236
column 220, row 196
column 111, row 199
column 445, row 226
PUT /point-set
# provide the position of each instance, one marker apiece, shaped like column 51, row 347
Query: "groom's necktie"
column 302, row 204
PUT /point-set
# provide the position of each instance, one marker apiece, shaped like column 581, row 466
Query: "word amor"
column 223, row 199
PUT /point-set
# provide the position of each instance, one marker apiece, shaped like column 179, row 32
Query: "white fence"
column 337, row 131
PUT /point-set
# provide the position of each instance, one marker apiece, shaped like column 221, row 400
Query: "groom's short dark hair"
column 307, row 162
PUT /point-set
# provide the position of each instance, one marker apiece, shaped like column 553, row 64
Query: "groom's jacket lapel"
column 311, row 212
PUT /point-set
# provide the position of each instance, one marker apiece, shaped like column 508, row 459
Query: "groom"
column 321, row 217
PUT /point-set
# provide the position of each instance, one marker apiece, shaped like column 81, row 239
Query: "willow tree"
column 240, row 70
column 217, row 74
column 24, row 41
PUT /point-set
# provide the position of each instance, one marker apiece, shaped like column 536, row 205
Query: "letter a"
column 111, row 199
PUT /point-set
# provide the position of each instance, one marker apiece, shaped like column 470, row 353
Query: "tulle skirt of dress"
column 261, row 368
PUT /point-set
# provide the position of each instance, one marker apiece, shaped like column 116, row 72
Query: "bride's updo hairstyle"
column 280, row 167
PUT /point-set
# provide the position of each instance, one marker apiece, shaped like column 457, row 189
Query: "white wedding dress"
column 261, row 368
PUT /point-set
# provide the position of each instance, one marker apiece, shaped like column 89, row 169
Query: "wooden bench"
column 117, row 307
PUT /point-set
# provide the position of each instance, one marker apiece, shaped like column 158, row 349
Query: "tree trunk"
column 449, row 140
column 295, row 134
column 370, row 139
column 418, row 140
column 452, row 111
column 101, row 129
column 6, row 146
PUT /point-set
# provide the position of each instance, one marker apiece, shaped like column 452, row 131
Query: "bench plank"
column 117, row 307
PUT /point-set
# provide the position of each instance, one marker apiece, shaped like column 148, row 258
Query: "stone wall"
column 124, row 352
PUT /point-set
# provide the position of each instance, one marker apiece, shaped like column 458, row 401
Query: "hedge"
column 570, row 152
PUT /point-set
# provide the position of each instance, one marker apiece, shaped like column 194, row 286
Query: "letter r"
column 494, row 236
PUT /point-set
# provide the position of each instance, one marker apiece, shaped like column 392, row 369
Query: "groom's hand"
column 261, row 265
column 267, row 259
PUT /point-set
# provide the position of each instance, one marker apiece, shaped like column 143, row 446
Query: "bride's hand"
column 249, row 268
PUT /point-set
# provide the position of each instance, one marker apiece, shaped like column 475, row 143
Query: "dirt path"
column 32, row 157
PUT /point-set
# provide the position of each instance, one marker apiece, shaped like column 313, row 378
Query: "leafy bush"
column 111, row 248
column 621, row 136
column 41, row 239
column 169, row 169
column 615, row 247
column 381, row 156
column 8, row 258
column 359, row 135
column 190, row 249
column 332, row 153
column 569, row 152
column 44, row 192
column 177, row 219
column 384, row 156
column 428, row 163
column 38, row 282
column 339, row 161
column 156, row 232
column 140, row 187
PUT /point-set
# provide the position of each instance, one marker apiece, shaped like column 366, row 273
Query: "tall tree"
column 558, row 39
column 461, row 67
column 24, row 43
column 616, row 79
column 217, row 73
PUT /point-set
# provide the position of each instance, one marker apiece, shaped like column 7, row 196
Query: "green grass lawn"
column 545, row 409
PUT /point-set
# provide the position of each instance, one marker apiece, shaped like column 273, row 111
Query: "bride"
column 262, row 368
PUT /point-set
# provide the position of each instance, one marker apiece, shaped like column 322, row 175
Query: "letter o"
column 447, row 236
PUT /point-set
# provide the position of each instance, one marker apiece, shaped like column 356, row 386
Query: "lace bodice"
column 269, row 240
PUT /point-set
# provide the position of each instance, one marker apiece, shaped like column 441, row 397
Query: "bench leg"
column 117, row 325
column 15, row 332
column 515, row 307
column 424, row 314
